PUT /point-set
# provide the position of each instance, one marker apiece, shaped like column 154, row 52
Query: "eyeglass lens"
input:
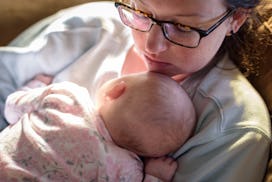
column 174, row 33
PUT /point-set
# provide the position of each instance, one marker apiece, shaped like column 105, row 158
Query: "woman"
column 226, row 146
column 184, row 39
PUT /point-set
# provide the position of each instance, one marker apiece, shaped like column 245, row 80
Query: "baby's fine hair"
column 161, row 104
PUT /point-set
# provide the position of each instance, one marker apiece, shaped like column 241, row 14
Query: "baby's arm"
column 23, row 100
column 65, row 97
column 162, row 168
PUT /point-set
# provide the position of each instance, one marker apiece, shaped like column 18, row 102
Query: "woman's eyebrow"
column 142, row 2
column 189, row 15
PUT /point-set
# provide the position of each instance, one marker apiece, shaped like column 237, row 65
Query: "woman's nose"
column 155, row 40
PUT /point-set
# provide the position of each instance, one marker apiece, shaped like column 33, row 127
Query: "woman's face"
column 162, row 56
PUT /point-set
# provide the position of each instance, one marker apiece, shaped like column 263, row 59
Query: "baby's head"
column 147, row 113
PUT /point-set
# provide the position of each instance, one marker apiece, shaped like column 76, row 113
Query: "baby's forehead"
column 143, row 84
column 144, row 78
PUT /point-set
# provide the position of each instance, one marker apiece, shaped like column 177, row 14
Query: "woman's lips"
column 155, row 64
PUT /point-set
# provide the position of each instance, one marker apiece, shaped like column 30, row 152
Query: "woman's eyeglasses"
column 176, row 33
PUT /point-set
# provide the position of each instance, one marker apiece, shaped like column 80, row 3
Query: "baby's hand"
column 39, row 80
column 163, row 168
column 46, row 79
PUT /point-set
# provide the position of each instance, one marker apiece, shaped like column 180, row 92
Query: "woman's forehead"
column 185, row 8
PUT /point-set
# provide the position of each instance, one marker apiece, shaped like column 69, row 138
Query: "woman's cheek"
column 139, row 39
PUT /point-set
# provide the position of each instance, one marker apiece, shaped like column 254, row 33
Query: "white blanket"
column 71, row 45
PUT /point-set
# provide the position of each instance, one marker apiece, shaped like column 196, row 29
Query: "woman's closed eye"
column 182, row 28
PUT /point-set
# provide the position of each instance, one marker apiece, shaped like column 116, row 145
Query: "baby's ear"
column 116, row 91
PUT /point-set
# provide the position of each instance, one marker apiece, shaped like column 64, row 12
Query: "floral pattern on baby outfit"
column 60, row 138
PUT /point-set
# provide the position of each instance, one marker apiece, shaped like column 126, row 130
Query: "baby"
column 60, row 137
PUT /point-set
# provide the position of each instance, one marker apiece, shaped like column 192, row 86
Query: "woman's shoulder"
column 227, row 95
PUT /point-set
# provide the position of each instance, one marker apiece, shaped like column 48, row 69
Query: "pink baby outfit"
column 60, row 138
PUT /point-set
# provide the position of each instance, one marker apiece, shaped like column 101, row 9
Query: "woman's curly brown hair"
column 253, row 42
column 251, row 50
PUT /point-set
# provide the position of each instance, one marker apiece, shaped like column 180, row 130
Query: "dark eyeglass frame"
column 202, row 33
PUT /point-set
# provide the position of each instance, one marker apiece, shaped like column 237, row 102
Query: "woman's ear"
column 116, row 91
column 238, row 19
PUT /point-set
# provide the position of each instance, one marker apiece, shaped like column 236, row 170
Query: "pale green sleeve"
column 234, row 156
